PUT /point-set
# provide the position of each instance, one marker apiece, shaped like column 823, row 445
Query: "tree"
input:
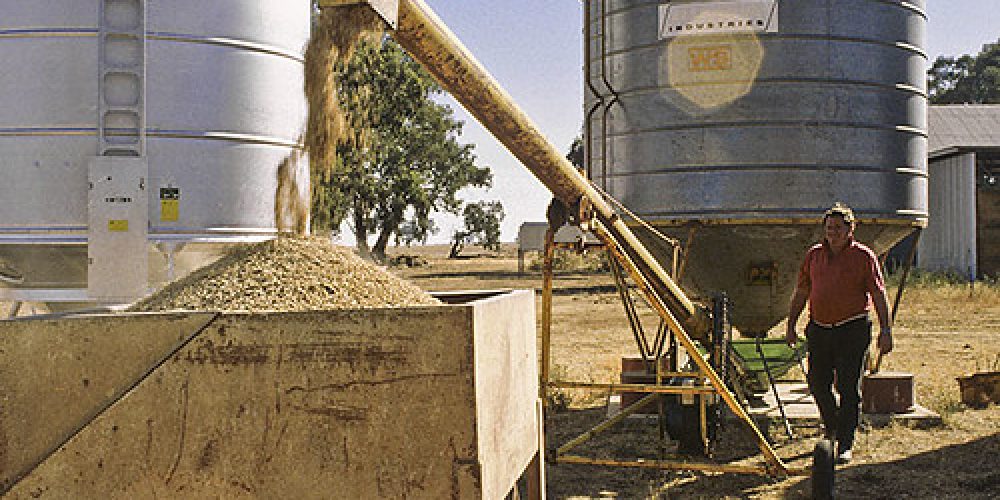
column 482, row 227
column 576, row 152
column 405, row 162
column 966, row 79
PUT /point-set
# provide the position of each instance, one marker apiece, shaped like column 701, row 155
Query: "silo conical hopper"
column 206, row 96
column 732, row 125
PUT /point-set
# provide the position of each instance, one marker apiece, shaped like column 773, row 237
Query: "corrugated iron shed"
column 964, row 197
column 956, row 128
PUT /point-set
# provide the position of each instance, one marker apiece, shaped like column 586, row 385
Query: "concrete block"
column 57, row 375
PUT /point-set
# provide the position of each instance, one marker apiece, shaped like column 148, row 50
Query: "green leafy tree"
column 966, row 79
column 405, row 162
column 482, row 227
column 575, row 154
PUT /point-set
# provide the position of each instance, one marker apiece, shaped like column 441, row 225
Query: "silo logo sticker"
column 721, row 17
column 713, row 58
column 118, row 225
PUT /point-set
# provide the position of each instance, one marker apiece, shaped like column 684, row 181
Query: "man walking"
column 841, row 280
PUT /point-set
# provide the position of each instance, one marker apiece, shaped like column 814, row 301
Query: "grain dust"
column 291, row 199
column 287, row 274
column 334, row 38
column 336, row 35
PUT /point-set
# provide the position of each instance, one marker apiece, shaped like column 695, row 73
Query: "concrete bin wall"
column 427, row 402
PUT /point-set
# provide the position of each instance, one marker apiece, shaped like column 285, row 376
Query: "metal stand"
column 701, row 383
column 774, row 388
column 906, row 272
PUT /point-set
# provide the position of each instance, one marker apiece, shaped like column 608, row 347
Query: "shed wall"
column 949, row 242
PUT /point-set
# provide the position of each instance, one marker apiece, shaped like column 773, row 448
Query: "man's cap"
column 840, row 210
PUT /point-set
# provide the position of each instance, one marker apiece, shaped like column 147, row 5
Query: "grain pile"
column 287, row 274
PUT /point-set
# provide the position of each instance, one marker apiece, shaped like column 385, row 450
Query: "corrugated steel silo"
column 732, row 124
column 207, row 94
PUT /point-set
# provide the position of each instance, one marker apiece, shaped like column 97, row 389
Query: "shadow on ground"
column 970, row 470
column 635, row 438
column 966, row 471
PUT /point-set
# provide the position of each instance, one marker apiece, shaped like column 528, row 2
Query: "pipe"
column 588, row 147
column 906, row 271
column 431, row 43
column 614, row 95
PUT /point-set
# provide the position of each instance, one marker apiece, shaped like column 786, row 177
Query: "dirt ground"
column 942, row 331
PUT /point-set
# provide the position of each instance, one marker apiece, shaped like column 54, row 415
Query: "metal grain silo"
column 732, row 124
column 140, row 124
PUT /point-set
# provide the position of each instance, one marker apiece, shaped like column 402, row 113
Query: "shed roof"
column 961, row 127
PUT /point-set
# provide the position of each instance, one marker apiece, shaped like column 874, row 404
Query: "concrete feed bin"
column 424, row 402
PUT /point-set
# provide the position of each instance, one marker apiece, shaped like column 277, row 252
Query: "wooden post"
column 543, row 386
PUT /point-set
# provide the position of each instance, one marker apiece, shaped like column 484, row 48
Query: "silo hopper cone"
column 755, row 263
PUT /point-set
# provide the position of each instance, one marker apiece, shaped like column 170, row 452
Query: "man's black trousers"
column 838, row 354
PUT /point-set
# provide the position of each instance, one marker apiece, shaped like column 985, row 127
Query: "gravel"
column 287, row 274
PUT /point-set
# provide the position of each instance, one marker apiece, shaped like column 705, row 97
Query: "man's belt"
column 856, row 317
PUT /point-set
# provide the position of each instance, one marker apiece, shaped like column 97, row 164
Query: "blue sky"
column 534, row 49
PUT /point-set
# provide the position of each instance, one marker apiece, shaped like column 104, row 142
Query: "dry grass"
column 946, row 331
column 942, row 331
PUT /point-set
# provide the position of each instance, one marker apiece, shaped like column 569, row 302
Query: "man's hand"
column 885, row 341
column 795, row 307
column 791, row 338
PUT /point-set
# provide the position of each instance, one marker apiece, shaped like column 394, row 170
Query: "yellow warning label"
column 169, row 210
column 117, row 226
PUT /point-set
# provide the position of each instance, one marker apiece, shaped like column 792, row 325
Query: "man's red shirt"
column 840, row 286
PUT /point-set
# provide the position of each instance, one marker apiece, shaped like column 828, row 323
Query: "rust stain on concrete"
column 206, row 351
column 343, row 413
column 356, row 354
